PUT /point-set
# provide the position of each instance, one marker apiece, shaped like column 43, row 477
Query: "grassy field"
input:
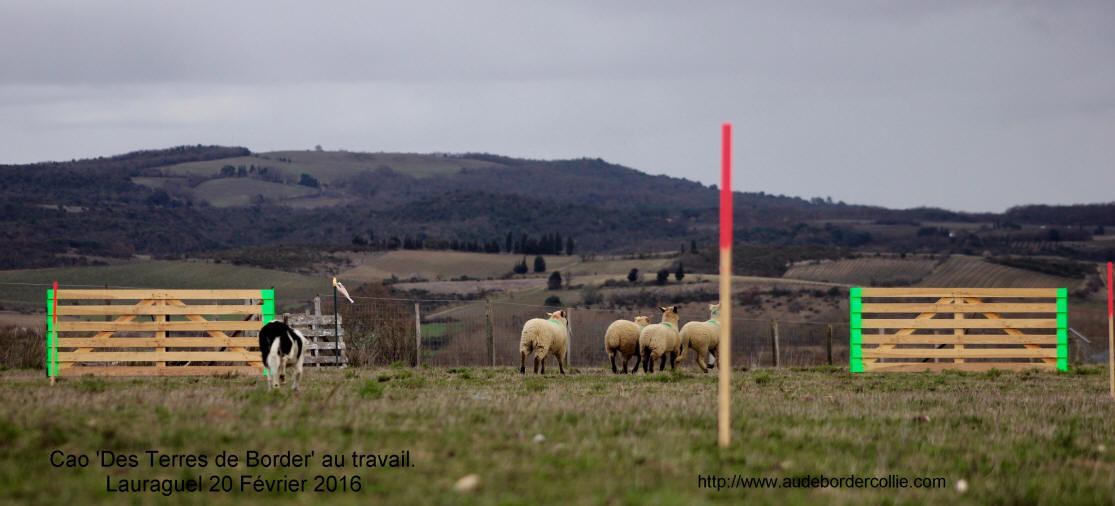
column 290, row 289
column 328, row 166
column 586, row 438
column 865, row 271
column 444, row 265
column 969, row 271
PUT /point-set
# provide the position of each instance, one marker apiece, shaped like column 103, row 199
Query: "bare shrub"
column 22, row 348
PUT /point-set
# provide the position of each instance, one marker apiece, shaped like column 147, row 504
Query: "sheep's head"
column 714, row 312
column 642, row 321
column 670, row 314
column 560, row 316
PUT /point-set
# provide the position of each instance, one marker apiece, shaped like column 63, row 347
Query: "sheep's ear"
column 562, row 313
column 660, row 308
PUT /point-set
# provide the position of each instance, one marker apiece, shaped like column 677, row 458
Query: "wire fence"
column 451, row 332
column 486, row 333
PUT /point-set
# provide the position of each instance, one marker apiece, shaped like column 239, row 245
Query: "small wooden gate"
column 155, row 332
column 918, row 329
column 327, row 341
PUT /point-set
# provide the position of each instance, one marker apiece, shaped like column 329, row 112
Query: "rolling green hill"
column 291, row 290
column 333, row 166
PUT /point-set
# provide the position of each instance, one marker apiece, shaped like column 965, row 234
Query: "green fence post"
column 855, row 353
column 267, row 300
column 51, row 358
column 1062, row 329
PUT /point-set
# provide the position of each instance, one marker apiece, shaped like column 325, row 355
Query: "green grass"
column 230, row 192
column 331, row 166
column 1015, row 438
column 865, row 271
column 970, row 271
column 291, row 290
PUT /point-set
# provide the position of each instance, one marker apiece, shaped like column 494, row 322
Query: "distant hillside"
column 191, row 199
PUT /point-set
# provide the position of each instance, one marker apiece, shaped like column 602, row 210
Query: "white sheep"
column 622, row 337
column 703, row 337
column 661, row 339
column 543, row 337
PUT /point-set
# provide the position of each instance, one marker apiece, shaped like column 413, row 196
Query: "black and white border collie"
column 281, row 346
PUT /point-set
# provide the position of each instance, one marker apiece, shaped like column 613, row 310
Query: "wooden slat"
column 157, row 326
column 1052, row 361
column 325, row 346
column 131, row 309
column 966, row 366
column 147, row 356
column 157, row 294
column 903, row 332
column 1006, row 307
column 211, row 370
column 169, row 342
column 319, row 332
column 962, row 353
column 966, row 339
column 958, row 332
column 161, row 334
column 1017, row 323
column 1050, row 293
column 120, row 319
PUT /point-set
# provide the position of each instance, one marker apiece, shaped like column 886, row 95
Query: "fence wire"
column 445, row 333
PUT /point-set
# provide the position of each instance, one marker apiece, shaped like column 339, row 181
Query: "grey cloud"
column 969, row 105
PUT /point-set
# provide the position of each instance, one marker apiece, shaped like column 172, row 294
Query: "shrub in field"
column 554, row 282
column 378, row 332
column 22, row 348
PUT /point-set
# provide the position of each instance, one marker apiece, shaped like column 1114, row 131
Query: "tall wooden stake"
column 488, row 329
column 417, row 335
column 724, row 349
column 336, row 323
column 1110, row 329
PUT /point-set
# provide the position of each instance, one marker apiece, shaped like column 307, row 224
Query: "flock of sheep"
column 647, row 342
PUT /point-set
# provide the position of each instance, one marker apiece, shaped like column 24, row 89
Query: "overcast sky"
column 966, row 105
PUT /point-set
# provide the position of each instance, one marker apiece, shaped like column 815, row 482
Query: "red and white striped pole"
column 1111, row 329
column 724, row 349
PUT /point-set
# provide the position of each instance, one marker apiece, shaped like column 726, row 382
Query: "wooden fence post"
column 491, row 338
column 828, row 344
column 417, row 335
column 569, row 330
column 774, row 341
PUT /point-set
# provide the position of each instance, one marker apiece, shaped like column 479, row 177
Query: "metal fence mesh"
column 385, row 331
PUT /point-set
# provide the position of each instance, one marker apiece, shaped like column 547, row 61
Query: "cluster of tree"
column 262, row 172
column 521, row 267
column 548, row 244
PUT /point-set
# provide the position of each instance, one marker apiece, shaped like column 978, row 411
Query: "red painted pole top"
column 1110, row 292
column 726, row 187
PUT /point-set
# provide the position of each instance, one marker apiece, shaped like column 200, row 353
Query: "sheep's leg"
column 625, row 361
column 297, row 374
column 648, row 366
column 523, row 362
column 560, row 360
column 673, row 361
column 700, row 359
column 612, row 355
column 273, row 370
column 536, row 365
column 662, row 366
column 638, row 358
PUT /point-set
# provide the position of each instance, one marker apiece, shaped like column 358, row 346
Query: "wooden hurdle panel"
column 975, row 329
column 155, row 332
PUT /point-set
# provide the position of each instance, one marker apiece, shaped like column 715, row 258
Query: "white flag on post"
column 341, row 288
